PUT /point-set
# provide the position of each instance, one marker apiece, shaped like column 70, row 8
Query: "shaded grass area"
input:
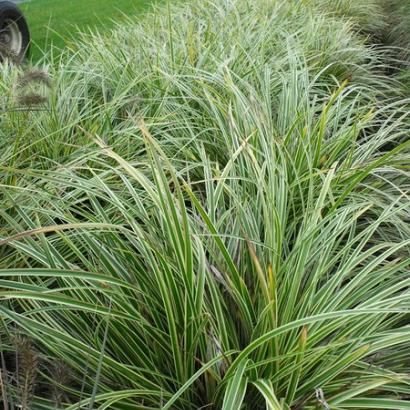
column 57, row 23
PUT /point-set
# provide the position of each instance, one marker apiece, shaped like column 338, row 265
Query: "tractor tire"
column 14, row 32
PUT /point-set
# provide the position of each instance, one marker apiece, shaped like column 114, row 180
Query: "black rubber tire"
column 9, row 11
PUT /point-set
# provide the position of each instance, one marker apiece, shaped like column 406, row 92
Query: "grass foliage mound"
column 209, row 209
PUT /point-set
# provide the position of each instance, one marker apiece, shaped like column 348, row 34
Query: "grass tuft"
column 212, row 211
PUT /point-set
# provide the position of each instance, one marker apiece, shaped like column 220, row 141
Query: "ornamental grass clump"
column 216, row 216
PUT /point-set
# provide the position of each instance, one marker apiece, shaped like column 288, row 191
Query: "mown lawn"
column 56, row 22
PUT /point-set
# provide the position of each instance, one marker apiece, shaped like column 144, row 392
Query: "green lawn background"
column 56, row 22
